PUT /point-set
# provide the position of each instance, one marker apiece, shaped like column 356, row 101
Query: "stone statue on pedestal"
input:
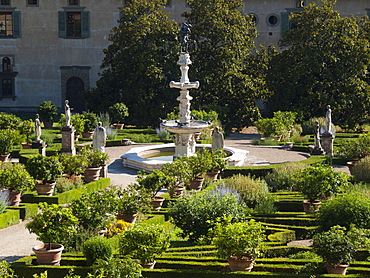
column 328, row 120
column 67, row 109
column 317, row 149
column 38, row 128
column 99, row 137
column 217, row 139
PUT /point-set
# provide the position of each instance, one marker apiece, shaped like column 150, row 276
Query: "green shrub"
column 196, row 214
column 9, row 121
column 266, row 205
column 281, row 177
column 251, row 190
column 48, row 137
column 356, row 148
column 117, row 268
column 97, row 248
column 47, row 111
column 351, row 208
column 307, row 126
column 299, row 139
column 64, row 184
column 6, row 271
column 118, row 112
column 361, row 171
column 91, row 121
column 8, row 138
column 307, row 255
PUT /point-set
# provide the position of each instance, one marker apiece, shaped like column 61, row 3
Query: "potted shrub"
column 77, row 121
column 317, row 183
column 144, row 243
column 91, row 122
column 153, row 183
column 95, row 161
column 199, row 165
column 16, row 179
column 52, row 224
column 178, row 174
column 240, row 243
column 45, row 170
column 8, row 138
column 27, row 130
column 337, row 247
column 47, row 112
column 73, row 166
column 130, row 202
column 118, row 112
column 218, row 163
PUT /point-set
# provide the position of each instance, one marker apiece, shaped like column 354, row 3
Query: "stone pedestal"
column 327, row 140
column 317, row 151
column 41, row 146
column 68, row 140
column 184, row 144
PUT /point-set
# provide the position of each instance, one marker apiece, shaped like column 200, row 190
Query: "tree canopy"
column 139, row 64
column 221, row 49
column 325, row 61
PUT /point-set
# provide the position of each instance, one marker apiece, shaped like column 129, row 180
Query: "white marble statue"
column 217, row 139
column 328, row 120
column 317, row 135
column 38, row 128
column 99, row 137
column 67, row 111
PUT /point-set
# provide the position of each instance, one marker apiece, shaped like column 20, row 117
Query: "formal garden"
column 246, row 214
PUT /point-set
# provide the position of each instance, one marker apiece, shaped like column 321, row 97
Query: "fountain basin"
column 193, row 126
column 135, row 157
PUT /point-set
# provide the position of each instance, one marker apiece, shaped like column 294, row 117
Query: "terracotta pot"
column 14, row 198
column 196, row 184
column 177, row 192
column 48, row 124
column 336, row 269
column 310, row 208
column 46, row 188
column 129, row 218
column 244, row 264
column 149, row 266
column 350, row 165
column 48, row 257
column 4, row 157
column 213, row 175
column 92, row 174
column 26, row 145
column 87, row 134
column 157, row 203
column 118, row 126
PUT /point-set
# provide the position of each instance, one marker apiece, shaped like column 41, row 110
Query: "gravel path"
column 16, row 242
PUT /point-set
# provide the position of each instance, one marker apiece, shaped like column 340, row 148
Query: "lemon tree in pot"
column 52, row 224
column 45, row 170
column 178, row 175
column 144, row 243
column 118, row 112
column 16, row 179
column 218, row 163
column 91, row 122
column 8, row 138
column 95, row 161
column 240, row 243
column 47, row 111
column 199, row 165
column 73, row 165
column 337, row 247
column 317, row 183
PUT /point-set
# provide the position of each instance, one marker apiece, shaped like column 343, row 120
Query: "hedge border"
column 9, row 217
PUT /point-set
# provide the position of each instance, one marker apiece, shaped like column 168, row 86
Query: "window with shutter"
column 74, row 24
column 10, row 24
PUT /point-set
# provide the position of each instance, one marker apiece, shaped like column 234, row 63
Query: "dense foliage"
column 139, row 64
column 324, row 61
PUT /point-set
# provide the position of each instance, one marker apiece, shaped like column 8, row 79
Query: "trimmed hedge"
column 9, row 217
column 68, row 196
column 26, row 210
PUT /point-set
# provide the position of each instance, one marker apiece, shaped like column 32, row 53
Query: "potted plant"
column 240, row 243
column 199, row 165
column 27, row 130
column 47, row 112
column 45, row 170
column 153, row 183
column 52, row 224
column 73, row 165
column 218, row 163
column 16, row 179
column 144, row 243
column 130, row 202
column 77, row 121
column 178, row 174
column 8, row 138
column 91, row 122
column 95, row 160
column 317, row 183
column 337, row 247
column 118, row 112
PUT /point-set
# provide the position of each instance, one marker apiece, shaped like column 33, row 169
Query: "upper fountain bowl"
column 175, row 126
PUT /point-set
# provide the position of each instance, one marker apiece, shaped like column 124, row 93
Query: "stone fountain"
column 183, row 128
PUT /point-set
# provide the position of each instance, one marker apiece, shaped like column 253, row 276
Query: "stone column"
column 327, row 143
column 41, row 146
column 68, row 140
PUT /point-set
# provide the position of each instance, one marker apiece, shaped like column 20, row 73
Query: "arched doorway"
column 75, row 85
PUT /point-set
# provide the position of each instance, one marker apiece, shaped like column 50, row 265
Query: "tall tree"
column 325, row 62
column 139, row 64
column 223, row 41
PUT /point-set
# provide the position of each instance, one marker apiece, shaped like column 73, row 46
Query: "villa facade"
column 52, row 50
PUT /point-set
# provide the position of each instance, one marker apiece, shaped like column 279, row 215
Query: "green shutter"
column 62, row 32
column 85, row 24
column 16, row 24
column 285, row 24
